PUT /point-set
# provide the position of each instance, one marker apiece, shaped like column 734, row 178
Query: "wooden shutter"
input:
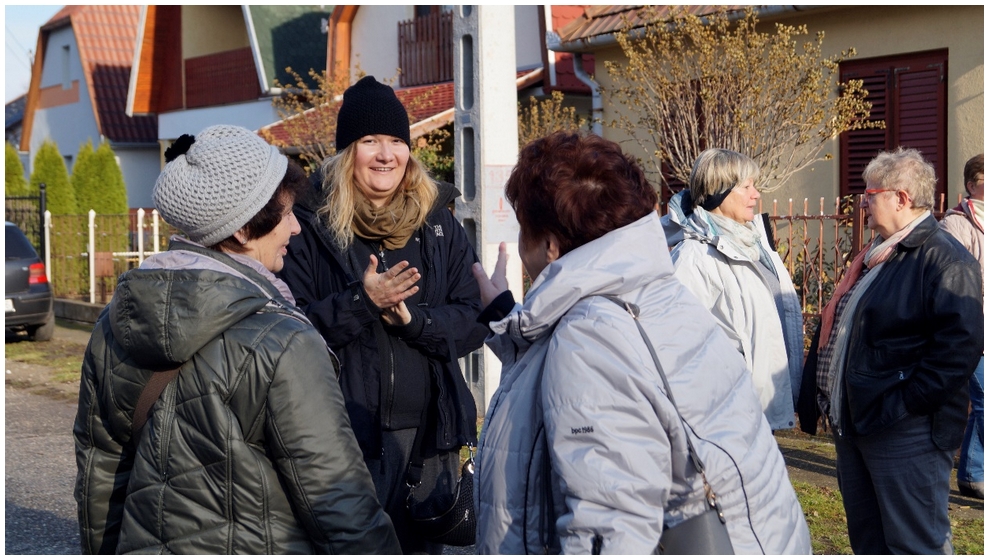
column 909, row 92
column 921, row 114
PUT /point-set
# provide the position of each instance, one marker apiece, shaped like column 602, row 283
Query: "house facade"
column 412, row 46
column 78, row 92
column 923, row 67
column 197, row 66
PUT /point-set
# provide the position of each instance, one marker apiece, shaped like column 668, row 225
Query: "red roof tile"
column 106, row 37
column 422, row 102
column 604, row 20
column 566, row 80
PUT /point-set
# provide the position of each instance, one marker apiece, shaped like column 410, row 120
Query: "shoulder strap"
column 152, row 390
column 633, row 310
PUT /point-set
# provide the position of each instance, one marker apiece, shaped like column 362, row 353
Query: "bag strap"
column 152, row 390
column 633, row 310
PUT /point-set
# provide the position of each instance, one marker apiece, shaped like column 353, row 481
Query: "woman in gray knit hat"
column 210, row 419
column 382, row 269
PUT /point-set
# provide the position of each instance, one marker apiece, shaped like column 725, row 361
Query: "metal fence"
column 28, row 213
column 89, row 252
column 818, row 244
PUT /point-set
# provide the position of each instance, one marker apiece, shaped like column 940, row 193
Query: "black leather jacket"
column 916, row 338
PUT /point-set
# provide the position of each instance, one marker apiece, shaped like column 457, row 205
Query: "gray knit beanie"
column 216, row 182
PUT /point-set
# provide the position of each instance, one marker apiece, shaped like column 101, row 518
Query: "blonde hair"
column 717, row 170
column 342, row 191
column 905, row 170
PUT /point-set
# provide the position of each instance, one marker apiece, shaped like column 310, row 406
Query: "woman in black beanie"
column 383, row 270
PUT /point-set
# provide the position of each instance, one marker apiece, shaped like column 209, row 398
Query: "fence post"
column 140, row 236
column 154, row 227
column 92, row 256
column 42, row 209
column 46, row 234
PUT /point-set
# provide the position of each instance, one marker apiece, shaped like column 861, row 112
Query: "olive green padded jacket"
column 248, row 451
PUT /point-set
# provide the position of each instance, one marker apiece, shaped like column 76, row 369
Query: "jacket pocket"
column 875, row 399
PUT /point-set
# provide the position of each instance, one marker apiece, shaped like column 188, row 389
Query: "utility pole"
column 485, row 151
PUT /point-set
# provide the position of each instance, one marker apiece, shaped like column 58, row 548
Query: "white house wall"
column 528, row 44
column 140, row 167
column 252, row 115
column 71, row 124
column 374, row 40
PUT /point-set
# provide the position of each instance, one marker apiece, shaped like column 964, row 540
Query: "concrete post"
column 485, row 150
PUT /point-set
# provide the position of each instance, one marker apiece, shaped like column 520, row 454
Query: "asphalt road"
column 39, row 475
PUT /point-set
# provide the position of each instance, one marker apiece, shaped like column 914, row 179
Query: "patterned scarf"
column 879, row 252
column 392, row 225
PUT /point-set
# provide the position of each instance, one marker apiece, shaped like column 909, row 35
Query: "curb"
column 78, row 311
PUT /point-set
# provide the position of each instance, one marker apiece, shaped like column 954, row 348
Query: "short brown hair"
column 292, row 186
column 577, row 187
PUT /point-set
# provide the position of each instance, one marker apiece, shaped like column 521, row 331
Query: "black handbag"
column 706, row 533
column 445, row 519
column 448, row 520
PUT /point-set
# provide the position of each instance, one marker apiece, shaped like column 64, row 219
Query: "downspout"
column 597, row 108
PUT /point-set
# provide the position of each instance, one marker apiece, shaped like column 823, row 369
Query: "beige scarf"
column 392, row 225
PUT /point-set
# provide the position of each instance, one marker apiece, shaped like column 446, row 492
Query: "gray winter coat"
column 580, row 440
column 248, row 451
column 731, row 286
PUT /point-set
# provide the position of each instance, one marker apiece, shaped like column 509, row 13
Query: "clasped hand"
column 389, row 290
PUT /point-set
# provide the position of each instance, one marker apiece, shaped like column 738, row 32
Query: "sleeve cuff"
column 413, row 330
column 498, row 309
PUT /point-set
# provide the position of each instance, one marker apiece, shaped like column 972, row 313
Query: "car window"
column 18, row 247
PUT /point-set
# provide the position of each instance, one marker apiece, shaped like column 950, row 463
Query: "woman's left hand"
column 492, row 287
column 396, row 315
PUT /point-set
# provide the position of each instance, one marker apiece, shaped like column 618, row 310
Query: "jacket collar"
column 617, row 263
column 921, row 233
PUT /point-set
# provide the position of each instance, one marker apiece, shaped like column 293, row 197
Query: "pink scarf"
column 878, row 252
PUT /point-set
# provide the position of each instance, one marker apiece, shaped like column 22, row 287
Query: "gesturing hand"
column 392, row 286
column 498, row 283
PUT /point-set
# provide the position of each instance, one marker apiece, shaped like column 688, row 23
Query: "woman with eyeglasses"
column 890, row 363
column 723, row 255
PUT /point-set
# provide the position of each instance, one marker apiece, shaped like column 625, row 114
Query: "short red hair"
column 577, row 187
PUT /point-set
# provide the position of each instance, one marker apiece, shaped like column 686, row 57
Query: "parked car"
column 29, row 301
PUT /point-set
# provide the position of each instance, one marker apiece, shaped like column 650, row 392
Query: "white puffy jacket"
column 728, row 284
column 580, row 442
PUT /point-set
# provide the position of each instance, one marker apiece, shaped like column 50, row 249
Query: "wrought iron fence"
column 28, row 213
column 818, row 244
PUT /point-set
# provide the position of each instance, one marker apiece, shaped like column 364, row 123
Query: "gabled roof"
column 14, row 111
column 432, row 106
column 106, row 37
column 598, row 25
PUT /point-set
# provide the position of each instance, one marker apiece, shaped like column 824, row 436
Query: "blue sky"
column 21, row 24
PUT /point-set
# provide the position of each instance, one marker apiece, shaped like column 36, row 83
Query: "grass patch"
column 825, row 516
column 968, row 536
column 63, row 357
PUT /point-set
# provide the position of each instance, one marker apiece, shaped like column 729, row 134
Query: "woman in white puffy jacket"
column 721, row 253
column 582, row 451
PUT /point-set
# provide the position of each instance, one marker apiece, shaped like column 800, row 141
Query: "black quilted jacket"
column 248, row 451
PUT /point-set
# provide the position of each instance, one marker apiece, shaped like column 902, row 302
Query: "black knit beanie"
column 370, row 107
